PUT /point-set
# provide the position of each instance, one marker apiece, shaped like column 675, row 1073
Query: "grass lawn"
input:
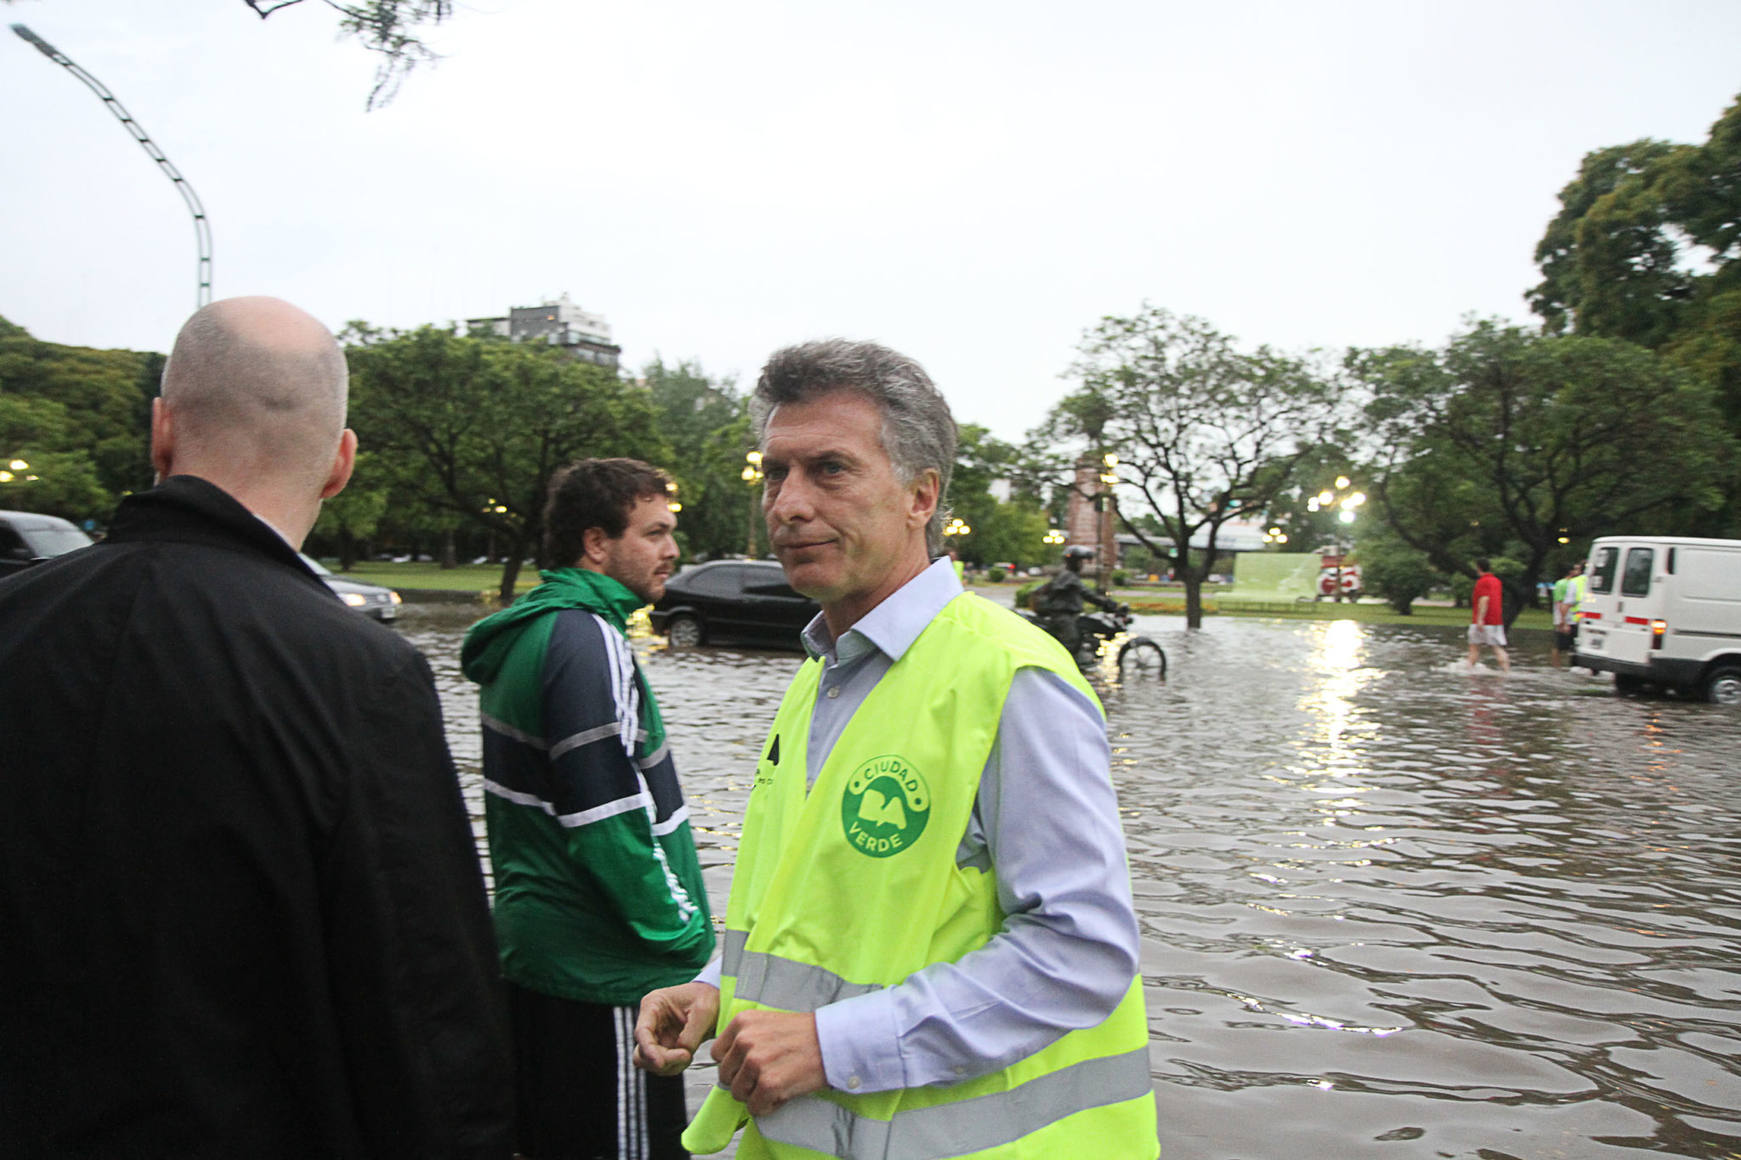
column 1367, row 611
column 432, row 577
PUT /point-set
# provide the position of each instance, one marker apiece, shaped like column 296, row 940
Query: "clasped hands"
column 765, row 1057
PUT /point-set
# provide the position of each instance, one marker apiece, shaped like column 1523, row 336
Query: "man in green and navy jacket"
column 598, row 892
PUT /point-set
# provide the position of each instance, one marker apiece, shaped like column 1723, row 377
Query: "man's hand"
column 672, row 1024
column 769, row 1057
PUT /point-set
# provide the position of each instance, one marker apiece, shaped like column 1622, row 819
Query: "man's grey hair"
column 918, row 432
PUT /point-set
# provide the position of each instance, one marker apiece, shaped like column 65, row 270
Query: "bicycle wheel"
column 1142, row 657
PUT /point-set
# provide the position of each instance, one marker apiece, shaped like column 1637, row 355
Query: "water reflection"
column 1389, row 907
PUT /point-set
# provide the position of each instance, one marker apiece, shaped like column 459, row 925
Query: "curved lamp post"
column 201, row 227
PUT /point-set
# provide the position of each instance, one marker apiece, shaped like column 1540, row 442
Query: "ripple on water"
column 1388, row 907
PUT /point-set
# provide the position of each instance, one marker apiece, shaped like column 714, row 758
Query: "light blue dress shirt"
column 1046, row 819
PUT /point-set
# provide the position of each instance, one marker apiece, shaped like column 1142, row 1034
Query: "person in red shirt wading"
column 1487, row 625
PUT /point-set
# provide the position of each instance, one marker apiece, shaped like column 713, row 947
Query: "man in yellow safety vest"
column 930, row 948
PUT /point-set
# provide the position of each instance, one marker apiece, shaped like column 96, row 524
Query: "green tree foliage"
column 1507, row 443
column 387, row 27
column 1204, row 432
column 1002, row 530
column 1395, row 572
column 1647, row 247
column 80, row 417
column 351, row 516
column 1011, row 531
column 475, row 428
column 706, row 423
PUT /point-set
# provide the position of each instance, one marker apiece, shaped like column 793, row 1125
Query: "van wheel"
column 1723, row 685
column 1627, row 685
column 683, row 631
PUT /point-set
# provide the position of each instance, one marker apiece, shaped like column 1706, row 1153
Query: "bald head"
column 254, row 401
column 257, row 389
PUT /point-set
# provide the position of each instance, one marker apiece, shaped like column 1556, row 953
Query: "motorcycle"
column 1098, row 632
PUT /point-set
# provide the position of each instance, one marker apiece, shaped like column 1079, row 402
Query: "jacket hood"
column 489, row 640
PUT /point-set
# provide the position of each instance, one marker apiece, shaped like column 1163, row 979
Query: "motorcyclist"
column 1058, row 602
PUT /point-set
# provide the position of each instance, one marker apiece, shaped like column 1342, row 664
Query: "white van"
column 1664, row 611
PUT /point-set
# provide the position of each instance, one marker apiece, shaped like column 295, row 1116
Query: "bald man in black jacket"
column 241, row 912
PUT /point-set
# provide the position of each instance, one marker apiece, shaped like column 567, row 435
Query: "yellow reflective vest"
column 853, row 887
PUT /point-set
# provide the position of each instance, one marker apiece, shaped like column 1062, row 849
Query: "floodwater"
column 1390, row 908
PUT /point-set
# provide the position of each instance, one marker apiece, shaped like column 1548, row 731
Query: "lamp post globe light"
column 1345, row 502
column 17, row 471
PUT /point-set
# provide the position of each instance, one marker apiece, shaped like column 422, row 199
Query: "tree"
column 1203, row 432
column 1511, row 444
column 1395, row 572
column 59, row 479
column 706, row 423
column 475, row 427
column 385, row 27
column 353, row 514
column 1001, row 531
column 1647, row 247
column 1011, row 531
column 89, row 409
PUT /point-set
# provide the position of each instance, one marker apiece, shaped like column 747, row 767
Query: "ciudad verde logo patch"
column 885, row 806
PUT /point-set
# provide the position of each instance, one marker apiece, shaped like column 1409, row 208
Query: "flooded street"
column 1390, row 908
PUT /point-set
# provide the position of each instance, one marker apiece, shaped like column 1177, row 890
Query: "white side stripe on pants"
column 631, row 1091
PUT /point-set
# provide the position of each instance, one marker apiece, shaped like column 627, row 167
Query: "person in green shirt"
column 599, row 897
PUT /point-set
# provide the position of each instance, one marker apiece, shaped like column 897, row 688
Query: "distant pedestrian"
column 1568, row 591
column 240, row 896
column 1487, row 621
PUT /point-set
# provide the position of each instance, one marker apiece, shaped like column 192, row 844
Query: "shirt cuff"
column 861, row 1046
column 710, row 974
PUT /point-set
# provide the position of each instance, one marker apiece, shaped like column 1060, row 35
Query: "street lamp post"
column 1106, row 547
column 201, row 225
column 752, row 475
column 1343, row 502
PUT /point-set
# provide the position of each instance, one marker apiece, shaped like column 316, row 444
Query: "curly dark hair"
column 594, row 493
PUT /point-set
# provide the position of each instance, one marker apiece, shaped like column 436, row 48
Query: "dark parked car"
column 368, row 599
column 743, row 601
column 27, row 538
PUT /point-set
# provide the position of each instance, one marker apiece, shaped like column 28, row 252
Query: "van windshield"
column 1636, row 579
column 1602, row 574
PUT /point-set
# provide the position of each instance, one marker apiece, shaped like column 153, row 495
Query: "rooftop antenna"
column 201, row 227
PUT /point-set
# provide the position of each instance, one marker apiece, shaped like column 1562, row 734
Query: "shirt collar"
column 893, row 625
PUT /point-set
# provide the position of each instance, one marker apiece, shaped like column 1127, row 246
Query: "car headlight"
column 354, row 599
column 394, row 597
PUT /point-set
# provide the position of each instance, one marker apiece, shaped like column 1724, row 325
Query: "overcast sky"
column 973, row 183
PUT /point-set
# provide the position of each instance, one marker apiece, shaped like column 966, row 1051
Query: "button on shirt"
column 1045, row 819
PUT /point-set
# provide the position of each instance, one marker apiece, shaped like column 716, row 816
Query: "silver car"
column 368, row 599
column 28, row 538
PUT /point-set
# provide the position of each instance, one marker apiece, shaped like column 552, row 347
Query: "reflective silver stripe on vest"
column 962, row 1126
column 783, row 983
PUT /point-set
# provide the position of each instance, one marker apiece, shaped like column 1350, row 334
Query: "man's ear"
column 594, row 546
column 162, row 439
column 926, row 494
column 343, row 463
